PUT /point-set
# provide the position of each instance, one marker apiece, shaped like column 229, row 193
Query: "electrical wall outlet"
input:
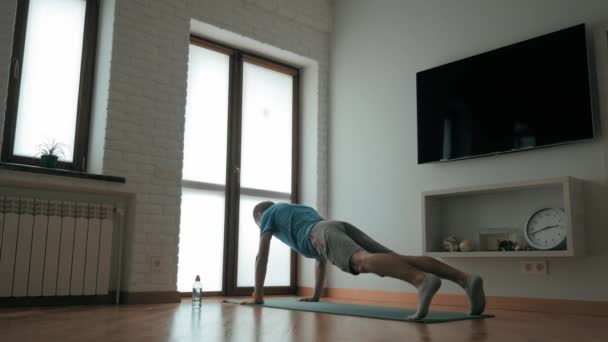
column 155, row 264
column 534, row 267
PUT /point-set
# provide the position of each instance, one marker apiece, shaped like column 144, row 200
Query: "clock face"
column 546, row 228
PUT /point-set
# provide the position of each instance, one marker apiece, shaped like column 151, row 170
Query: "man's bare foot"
column 475, row 293
column 426, row 291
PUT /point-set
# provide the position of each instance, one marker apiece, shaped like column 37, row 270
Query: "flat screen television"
column 530, row 94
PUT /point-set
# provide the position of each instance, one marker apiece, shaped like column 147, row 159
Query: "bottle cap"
column 198, row 278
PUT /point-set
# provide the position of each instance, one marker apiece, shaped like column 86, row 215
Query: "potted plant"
column 50, row 153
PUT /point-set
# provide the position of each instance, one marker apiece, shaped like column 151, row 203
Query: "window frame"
column 85, row 91
column 233, row 188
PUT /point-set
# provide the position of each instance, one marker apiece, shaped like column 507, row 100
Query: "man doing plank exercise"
column 351, row 250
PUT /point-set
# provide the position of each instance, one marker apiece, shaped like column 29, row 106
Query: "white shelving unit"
column 464, row 212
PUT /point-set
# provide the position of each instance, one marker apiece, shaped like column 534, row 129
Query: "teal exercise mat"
column 378, row 312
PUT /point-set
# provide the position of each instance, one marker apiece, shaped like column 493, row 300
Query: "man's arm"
column 320, row 266
column 261, row 261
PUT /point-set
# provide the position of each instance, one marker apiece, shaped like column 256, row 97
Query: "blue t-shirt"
column 292, row 223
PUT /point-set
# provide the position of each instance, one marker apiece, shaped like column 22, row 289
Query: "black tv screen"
column 526, row 95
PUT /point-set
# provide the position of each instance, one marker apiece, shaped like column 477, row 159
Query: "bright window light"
column 201, row 246
column 266, row 129
column 50, row 80
column 201, row 240
column 205, row 137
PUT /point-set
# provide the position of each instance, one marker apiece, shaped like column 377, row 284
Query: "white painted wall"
column 377, row 48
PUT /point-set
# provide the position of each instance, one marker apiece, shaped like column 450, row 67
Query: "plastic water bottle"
column 197, row 293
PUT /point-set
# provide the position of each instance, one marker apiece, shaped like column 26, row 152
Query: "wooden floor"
column 234, row 323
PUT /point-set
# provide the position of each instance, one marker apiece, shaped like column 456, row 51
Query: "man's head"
column 259, row 209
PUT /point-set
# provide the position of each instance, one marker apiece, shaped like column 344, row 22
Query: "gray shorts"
column 337, row 241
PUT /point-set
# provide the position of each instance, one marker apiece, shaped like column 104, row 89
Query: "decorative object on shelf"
column 507, row 245
column 50, row 152
column 521, row 246
column 546, row 229
column 467, row 246
column 490, row 238
column 450, row 244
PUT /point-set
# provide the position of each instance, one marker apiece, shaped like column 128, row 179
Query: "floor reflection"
column 479, row 330
column 236, row 323
column 423, row 331
column 258, row 315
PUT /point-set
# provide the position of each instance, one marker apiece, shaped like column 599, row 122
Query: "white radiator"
column 54, row 247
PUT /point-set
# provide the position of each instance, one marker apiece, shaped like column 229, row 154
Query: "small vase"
column 49, row 161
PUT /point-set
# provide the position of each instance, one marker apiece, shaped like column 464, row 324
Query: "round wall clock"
column 546, row 229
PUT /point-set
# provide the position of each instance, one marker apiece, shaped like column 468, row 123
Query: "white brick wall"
column 146, row 104
column 145, row 131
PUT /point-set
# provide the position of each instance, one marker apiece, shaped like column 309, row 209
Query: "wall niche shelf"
column 467, row 211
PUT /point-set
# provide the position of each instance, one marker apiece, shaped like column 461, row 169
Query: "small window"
column 51, row 80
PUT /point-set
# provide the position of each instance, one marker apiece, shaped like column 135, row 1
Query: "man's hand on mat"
column 308, row 299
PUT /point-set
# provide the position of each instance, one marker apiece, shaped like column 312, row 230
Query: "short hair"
column 261, row 207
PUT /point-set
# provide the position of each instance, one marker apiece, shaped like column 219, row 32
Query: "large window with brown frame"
column 51, row 81
column 240, row 148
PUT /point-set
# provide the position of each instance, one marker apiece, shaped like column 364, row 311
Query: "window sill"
column 60, row 172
